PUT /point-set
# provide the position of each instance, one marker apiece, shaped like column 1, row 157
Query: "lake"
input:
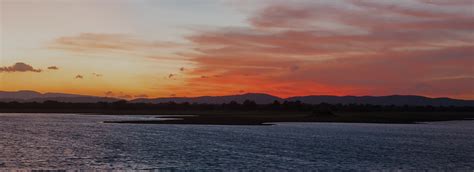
column 72, row 142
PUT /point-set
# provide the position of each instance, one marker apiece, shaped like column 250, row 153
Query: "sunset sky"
column 160, row 48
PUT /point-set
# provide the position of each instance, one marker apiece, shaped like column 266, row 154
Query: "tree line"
column 247, row 105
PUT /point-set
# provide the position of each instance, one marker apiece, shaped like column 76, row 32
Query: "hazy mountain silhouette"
column 257, row 97
column 32, row 96
column 266, row 99
column 24, row 94
column 384, row 100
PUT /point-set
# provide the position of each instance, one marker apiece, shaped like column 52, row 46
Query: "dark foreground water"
column 69, row 142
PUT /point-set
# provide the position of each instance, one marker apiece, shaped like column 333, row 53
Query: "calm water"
column 67, row 141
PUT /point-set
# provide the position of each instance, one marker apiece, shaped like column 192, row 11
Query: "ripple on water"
column 67, row 141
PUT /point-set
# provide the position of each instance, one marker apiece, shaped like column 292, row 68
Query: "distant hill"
column 19, row 94
column 32, row 96
column 257, row 97
column 384, row 100
column 266, row 99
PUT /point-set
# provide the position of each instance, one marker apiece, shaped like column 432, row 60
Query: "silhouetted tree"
column 249, row 105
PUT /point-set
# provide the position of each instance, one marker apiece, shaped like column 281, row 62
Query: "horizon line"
column 137, row 98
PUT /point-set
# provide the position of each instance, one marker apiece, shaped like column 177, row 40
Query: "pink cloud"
column 313, row 48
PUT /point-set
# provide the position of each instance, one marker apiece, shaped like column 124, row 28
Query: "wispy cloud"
column 93, row 42
column 118, row 44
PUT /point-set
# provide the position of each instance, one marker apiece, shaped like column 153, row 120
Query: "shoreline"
column 267, row 120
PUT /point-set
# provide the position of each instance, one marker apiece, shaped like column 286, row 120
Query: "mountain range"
column 259, row 98
column 33, row 96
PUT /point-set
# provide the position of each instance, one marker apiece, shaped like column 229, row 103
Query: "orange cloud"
column 313, row 48
column 19, row 67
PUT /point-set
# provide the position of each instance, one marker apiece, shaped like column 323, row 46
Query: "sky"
column 161, row 48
